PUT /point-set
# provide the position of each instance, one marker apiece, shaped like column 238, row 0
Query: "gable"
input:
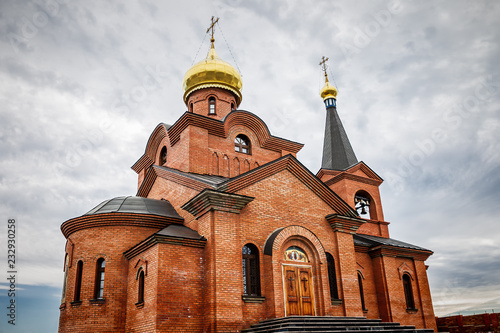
column 299, row 172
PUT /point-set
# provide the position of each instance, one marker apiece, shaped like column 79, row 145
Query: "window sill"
column 336, row 301
column 412, row 311
column 76, row 303
column 365, row 310
column 139, row 305
column 253, row 299
column 98, row 301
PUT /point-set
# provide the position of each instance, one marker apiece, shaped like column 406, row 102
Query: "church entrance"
column 298, row 287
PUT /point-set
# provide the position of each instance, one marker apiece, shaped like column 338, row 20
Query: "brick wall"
column 486, row 322
column 89, row 245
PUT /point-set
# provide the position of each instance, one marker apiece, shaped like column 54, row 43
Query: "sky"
column 84, row 83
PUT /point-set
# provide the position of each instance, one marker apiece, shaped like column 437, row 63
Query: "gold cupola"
column 212, row 72
column 328, row 90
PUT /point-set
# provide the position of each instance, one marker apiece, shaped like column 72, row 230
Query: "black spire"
column 337, row 151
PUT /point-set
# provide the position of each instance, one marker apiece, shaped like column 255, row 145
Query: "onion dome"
column 328, row 90
column 212, row 72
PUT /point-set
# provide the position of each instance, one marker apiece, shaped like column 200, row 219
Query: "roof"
column 373, row 241
column 210, row 180
column 337, row 150
column 179, row 231
column 135, row 205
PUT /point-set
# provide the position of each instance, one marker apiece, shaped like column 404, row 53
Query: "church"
column 228, row 229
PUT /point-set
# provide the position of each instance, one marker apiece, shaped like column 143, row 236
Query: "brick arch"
column 250, row 121
column 373, row 202
column 405, row 269
column 157, row 140
column 295, row 232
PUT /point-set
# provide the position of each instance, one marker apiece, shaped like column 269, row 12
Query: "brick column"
column 344, row 227
column 218, row 216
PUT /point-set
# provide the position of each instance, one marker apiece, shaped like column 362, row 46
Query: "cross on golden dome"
column 211, row 27
column 328, row 91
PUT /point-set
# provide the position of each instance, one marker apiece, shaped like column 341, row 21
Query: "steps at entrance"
column 330, row 325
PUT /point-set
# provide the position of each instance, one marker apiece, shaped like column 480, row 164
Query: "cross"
column 212, row 28
column 323, row 63
column 291, row 279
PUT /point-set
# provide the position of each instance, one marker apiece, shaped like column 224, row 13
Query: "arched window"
column 242, row 144
column 99, row 279
column 361, row 292
column 191, row 107
column 163, row 155
column 140, row 289
column 232, row 106
column 362, row 203
column 251, row 275
column 65, row 285
column 78, row 281
column 211, row 105
column 332, row 277
column 410, row 302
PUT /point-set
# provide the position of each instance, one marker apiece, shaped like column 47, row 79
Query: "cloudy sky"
column 84, row 83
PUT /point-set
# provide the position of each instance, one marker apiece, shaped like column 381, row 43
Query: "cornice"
column 162, row 239
column 214, row 200
column 394, row 251
column 117, row 219
column 221, row 128
column 342, row 223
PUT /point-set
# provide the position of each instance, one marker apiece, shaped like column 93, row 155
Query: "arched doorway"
column 293, row 257
column 298, row 283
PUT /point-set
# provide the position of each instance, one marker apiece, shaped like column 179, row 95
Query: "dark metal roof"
column 337, row 151
column 179, row 231
column 210, row 180
column 135, row 205
column 372, row 241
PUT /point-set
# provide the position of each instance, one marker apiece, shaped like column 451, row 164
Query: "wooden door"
column 299, row 293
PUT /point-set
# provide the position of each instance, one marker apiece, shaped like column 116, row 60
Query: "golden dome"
column 328, row 91
column 212, row 72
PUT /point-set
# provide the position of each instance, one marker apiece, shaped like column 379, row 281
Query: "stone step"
column 329, row 324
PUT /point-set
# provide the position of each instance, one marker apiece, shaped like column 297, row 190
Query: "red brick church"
column 228, row 229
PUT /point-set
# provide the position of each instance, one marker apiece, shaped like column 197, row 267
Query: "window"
column 361, row 292
column 140, row 290
column 99, row 279
column 78, row 281
column 242, row 144
column 211, row 105
column 251, row 276
column 191, row 108
column 232, row 106
column 410, row 302
column 332, row 277
column 65, row 285
column 163, row 155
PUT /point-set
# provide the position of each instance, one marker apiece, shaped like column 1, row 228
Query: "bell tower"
column 353, row 181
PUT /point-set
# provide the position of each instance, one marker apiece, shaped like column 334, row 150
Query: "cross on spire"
column 323, row 65
column 211, row 27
